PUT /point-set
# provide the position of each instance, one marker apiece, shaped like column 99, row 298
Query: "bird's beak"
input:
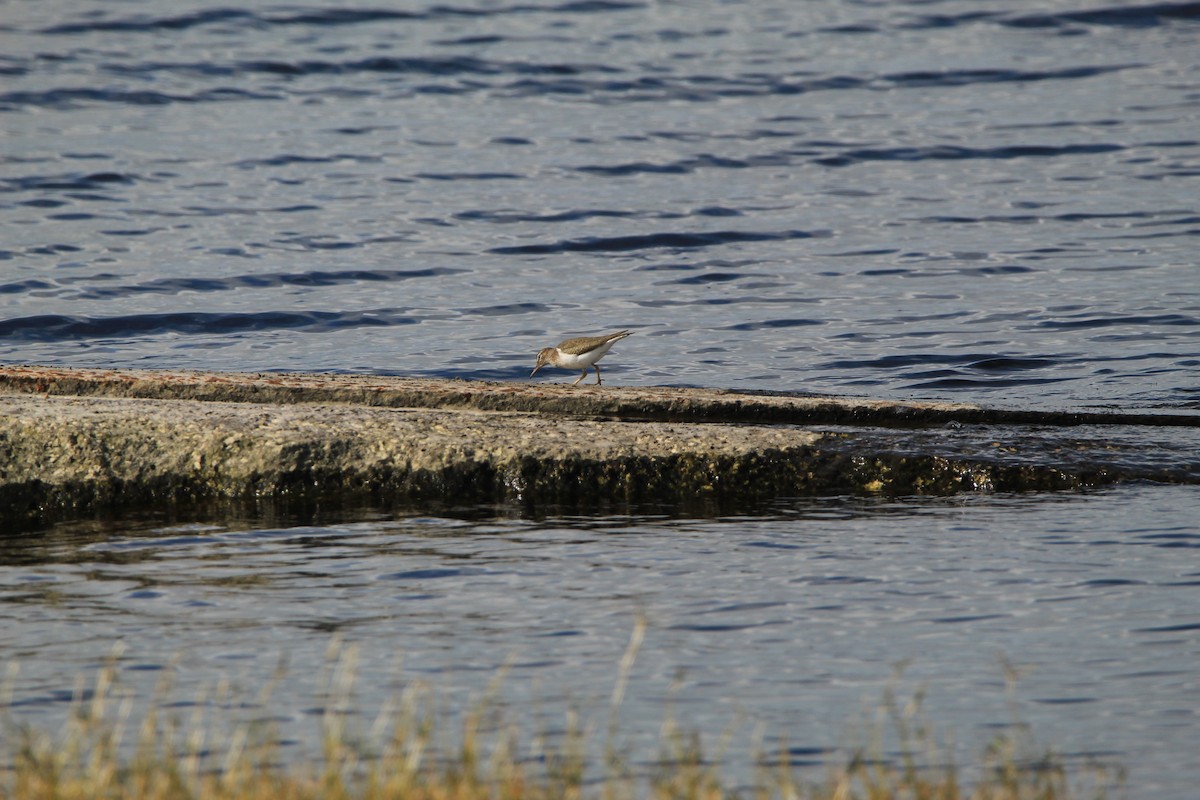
column 535, row 369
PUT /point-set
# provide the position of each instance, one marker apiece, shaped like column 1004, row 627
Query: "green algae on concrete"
column 63, row 456
column 74, row 442
column 71, row 453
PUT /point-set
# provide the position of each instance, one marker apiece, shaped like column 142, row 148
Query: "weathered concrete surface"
column 76, row 441
column 639, row 403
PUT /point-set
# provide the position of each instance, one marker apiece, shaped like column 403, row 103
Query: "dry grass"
column 399, row 756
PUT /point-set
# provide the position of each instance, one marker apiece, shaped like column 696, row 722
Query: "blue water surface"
column 782, row 630
column 950, row 200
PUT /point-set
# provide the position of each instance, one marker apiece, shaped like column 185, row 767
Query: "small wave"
column 536, row 79
column 58, row 327
column 752, row 300
column 1173, row 320
column 1170, row 539
column 432, row 573
column 1182, row 628
column 287, row 159
column 722, row 628
column 981, row 383
column 935, row 371
column 169, row 286
column 427, row 66
column 43, row 202
column 704, row 88
column 955, row 153
column 1012, row 364
column 988, row 362
column 688, row 165
column 650, row 241
column 509, row 217
column 469, row 176
column 1037, row 219
column 72, row 98
column 448, row 65
column 32, row 285
column 506, row 309
column 773, row 323
column 320, row 17
column 149, row 24
column 1129, row 16
column 42, row 250
column 716, row 277
column 968, row 77
column 957, row 620
column 505, row 217
column 1122, row 16
column 797, row 757
column 146, row 24
column 70, row 182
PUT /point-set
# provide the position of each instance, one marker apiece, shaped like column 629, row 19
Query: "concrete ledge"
column 76, row 441
column 637, row 403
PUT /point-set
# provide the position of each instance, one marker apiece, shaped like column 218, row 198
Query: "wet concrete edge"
column 75, row 442
column 635, row 403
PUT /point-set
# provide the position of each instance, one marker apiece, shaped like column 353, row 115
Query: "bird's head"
column 545, row 356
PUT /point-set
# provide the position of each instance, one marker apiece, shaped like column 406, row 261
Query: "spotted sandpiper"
column 578, row 353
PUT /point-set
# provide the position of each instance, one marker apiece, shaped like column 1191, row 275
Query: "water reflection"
column 795, row 617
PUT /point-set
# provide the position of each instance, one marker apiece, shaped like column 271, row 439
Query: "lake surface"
column 973, row 201
column 915, row 199
column 795, row 620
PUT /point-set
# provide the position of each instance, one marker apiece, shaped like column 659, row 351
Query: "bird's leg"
column 597, row 366
column 581, row 377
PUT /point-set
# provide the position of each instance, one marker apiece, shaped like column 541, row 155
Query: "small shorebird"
column 578, row 353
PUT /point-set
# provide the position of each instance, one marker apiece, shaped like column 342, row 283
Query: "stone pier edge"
column 82, row 442
column 635, row 403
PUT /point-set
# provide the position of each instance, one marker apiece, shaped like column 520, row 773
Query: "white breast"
column 584, row 360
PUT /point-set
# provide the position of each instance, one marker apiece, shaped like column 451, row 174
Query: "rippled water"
column 965, row 200
column 951, row 199
column 794, row 620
